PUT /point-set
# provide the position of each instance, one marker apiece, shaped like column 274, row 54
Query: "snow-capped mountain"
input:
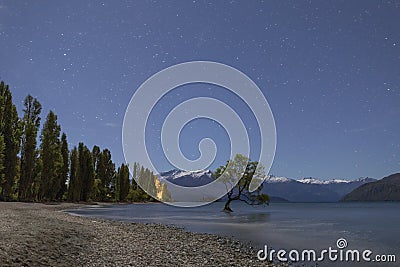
column 311, row 189
column 316, row 181
column 188, row 178
column 275, row 179
column 303, row 190
column 191, row 179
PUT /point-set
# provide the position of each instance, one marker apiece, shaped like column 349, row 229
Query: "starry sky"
column 329, row 69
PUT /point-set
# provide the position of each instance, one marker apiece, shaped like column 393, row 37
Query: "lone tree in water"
column 241, row 171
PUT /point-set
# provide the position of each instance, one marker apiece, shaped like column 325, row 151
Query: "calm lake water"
column 373, row 226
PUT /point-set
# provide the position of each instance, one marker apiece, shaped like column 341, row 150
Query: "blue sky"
column 329, row 69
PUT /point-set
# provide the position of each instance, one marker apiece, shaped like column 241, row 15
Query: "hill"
column 386, row 189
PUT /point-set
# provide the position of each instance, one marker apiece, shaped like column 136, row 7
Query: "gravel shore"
column 43, row 235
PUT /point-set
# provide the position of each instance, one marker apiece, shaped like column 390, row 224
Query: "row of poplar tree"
column 50, row 171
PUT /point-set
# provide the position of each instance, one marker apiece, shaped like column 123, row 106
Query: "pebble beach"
column 33, row 234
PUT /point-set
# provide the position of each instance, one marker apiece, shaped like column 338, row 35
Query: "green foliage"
column 96, row 193
column 74, row 185
column 29, row 153
column 105, row 172
column 51, row 159
column 2, row 145
column 81, row 186
column 241, row 171
column 147, row 180
column 10, row 133
column 85, row 172
column 52, row 172
column 63, row 175
column 136, row 193
column 135, row 175
column 2, row 165
column 124, row 182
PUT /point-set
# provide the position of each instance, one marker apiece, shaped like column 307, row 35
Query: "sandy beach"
column 44, row 235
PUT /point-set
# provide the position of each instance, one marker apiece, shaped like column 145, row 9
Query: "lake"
column 373, row 226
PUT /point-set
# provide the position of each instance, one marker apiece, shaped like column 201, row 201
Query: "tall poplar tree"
column 29, row 153
column 135, row 175
column 97, row 187
column 51, row 159
column 105, row 172
column 96, row 157
column 63, row 175
column 85, row 172
column 124, row 182
column 1, row 164
column 10, row 134
column 74, row 184
column 2, row 106
column 116, row 186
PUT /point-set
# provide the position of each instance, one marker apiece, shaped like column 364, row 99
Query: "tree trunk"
column 227, row 207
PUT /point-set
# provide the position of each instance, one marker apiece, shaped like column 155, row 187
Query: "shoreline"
column 35, row 234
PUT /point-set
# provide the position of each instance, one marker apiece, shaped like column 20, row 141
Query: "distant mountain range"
column 386, row 189
column 280, row 189
column 310, row 189
column 188, row 178
column 191, row 179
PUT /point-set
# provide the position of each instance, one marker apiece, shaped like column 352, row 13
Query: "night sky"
column 330, row 71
